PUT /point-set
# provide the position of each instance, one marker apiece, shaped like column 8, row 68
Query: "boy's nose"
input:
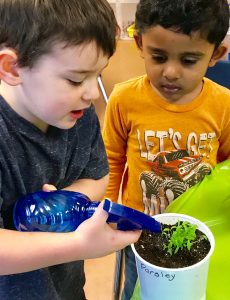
column 171, row 72
column 91, row 91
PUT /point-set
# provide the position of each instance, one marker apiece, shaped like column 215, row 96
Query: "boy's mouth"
column 170, row 88
column 77, row 114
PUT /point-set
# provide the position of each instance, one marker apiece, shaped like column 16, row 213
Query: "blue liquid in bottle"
column 58, row 211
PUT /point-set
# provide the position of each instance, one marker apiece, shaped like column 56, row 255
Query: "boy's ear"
column 138, row 41
column 8, row 67
column 218, row 54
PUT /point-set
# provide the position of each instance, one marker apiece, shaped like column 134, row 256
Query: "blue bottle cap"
column 129, row 219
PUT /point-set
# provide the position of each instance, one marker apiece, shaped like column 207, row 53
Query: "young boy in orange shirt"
column 170, row 126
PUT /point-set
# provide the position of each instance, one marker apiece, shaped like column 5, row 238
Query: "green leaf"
column 180, row 236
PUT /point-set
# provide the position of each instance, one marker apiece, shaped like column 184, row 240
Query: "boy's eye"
column 74, row 83
column 159, row 58
column 188, row 61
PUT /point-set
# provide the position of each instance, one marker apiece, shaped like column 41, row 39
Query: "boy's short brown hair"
column 31, row 27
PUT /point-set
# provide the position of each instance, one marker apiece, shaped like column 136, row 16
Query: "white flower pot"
column 189, row 283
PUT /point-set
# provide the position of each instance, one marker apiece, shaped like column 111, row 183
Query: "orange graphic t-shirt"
column 161, row 149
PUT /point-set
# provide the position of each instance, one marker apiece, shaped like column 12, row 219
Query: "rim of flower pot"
column 182, row 217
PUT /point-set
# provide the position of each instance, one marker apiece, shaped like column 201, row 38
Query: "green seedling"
column 180, row 236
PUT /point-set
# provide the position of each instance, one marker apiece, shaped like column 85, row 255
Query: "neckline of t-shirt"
column 177, row 107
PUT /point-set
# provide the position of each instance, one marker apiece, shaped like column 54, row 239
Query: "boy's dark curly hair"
column 31, row 27
column 210, row 17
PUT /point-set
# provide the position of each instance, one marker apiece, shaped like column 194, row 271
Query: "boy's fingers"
column 129, row 237
column 100, row 212
column 48, row 187
column 125, row 237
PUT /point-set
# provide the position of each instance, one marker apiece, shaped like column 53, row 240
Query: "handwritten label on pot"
column 158, row 274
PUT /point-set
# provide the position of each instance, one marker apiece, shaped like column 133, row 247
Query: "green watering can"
column 209, row 201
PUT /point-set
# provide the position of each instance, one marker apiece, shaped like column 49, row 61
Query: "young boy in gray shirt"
column 51, row 54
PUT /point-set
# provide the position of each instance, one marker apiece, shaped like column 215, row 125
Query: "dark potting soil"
column 150, row 247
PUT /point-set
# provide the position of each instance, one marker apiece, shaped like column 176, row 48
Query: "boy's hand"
column 48, row 187
column 97, row 238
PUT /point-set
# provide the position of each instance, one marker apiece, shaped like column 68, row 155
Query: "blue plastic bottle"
column 64, row 211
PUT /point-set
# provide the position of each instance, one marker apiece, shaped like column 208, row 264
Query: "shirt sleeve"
column 115, row 136
column 224, row 149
